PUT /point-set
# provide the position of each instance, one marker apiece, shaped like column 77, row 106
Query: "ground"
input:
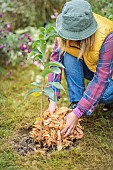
column 17, row 116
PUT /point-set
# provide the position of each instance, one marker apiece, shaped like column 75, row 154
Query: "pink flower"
column 7, row 63
column 21, row 64
column 36, row 63
column 53, row 16
column 41, row 67
column 1, row 15
column 7, row 26
column 29, row 38
column 23, row 35
column 9, row 73
column 19, row 38
column 1, row 46
column 29, row 51
column 46, row 50
column 56, row 13
column 7, row 31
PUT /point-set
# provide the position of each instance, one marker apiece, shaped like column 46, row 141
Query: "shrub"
column 14, row 47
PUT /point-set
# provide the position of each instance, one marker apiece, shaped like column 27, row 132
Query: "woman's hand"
column 52, row 106
column 71, row 122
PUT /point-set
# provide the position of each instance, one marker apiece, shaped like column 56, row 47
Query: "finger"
column 64, row 130
column 51, row 111
column 68, row 132
column 79, row 130
column 56, row 107
column 79, row 136
column 65, row 118
column 72, row 130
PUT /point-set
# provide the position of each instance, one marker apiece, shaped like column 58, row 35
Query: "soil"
column 23, row 143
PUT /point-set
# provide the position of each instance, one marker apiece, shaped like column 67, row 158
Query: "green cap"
column 76, row 22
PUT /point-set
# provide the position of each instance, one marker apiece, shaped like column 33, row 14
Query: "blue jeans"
column 75, row 72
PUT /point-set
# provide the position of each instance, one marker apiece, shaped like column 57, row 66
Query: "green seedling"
column 38, row 53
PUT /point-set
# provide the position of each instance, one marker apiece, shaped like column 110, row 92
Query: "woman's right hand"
column 52, row 106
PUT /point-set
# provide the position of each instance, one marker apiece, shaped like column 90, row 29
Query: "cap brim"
column 75, row 35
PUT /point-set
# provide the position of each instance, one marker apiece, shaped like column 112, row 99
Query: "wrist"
column 75, row 116
column 52, row 102
column 78, row 112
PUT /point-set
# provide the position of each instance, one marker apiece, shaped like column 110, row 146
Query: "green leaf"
column 45, row 72
column 57, row 85
column 33, row 52
column 35, row 43
column 56, row 70
column 52, row 35
column 41, row 36
column 50, row 29
column 31, row 91
column 50, row 93
column 39, row 57
column 43, row 46
column 51, row 32
column 54, row 64
column 42, row 29
column 35, row 84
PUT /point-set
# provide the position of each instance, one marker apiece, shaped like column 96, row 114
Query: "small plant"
column 39, row 53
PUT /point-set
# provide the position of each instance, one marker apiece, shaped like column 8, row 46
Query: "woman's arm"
column 95, row 89
column 99, row 83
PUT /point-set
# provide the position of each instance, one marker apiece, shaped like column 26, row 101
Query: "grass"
column 93, row 152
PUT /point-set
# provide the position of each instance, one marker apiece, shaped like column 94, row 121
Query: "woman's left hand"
column 71, row 122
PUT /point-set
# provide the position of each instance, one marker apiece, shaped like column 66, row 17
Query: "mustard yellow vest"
column 105, row 26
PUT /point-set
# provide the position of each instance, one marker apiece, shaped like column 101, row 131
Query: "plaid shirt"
column 97, row 85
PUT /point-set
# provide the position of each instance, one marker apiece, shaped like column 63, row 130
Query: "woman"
column 86, row 50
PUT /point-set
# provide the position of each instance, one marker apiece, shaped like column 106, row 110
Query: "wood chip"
column 51, row 127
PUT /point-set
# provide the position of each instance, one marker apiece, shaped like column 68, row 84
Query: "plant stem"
column 41, row 108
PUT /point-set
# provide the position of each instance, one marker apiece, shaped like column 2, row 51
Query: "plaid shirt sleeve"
column 100, row 81
column 52, row 77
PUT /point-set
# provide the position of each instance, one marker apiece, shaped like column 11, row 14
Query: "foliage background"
column 36, row 12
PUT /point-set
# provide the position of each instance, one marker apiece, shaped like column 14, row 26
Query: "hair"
column 85, row 45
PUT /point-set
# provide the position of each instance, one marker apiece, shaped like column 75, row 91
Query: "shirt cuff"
column 78, row 112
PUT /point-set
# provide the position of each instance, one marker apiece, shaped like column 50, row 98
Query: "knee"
column 107, row 100
column 104, row 100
